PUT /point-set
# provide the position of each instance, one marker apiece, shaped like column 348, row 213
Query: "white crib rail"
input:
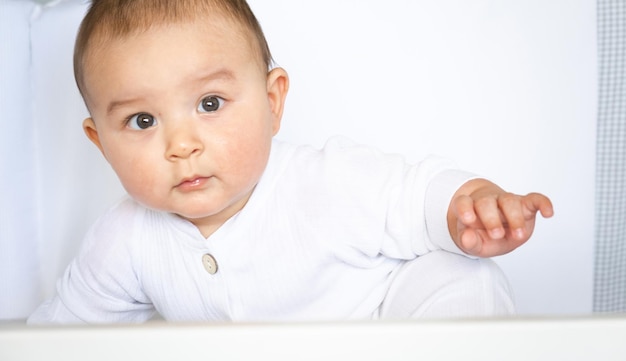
column 590, row 338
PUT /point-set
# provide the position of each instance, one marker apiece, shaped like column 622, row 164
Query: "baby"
column 223, row 222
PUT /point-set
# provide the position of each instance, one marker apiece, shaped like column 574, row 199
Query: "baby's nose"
column 182, row 142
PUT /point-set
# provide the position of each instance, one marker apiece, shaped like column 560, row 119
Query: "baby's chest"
column 267, row 280
column 218, row 283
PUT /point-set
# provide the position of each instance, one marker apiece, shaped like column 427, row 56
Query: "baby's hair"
column 113, row 19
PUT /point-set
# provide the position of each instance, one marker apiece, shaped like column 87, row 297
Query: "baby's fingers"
column 534, row 202
column 489, row 215
column 512, row 210
column 464, row 210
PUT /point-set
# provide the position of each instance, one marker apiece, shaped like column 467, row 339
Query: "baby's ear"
column 277, row 88
column 89, row 126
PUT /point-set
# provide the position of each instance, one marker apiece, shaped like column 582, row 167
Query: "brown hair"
column 113, row 19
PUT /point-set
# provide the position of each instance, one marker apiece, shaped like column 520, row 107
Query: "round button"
column 209, row 263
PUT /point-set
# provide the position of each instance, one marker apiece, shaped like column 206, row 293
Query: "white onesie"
column 324, row 236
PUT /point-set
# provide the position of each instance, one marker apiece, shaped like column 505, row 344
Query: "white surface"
column 506, row 88
column 556, row 339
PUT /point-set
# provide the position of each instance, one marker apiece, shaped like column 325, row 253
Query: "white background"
column 507, row 88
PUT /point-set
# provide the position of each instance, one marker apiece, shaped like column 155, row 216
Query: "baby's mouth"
column 192, row 183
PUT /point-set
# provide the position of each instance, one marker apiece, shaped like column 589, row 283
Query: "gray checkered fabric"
column 610, row 233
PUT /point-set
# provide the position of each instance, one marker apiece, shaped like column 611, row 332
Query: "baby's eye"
column 210, row 104
column 141, row 121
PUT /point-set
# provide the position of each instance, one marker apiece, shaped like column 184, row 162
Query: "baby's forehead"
column 220, row 26
column 105, row 26
column 180, row 51
column 215, row 25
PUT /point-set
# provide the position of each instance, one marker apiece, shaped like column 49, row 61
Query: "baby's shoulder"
column 120, row 219
column 124, row 209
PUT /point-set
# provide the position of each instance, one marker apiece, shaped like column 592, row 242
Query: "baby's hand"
column 486, row 221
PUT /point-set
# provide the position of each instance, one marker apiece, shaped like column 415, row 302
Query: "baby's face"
column 185, row 115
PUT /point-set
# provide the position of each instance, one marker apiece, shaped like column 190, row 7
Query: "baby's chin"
column 195, row 215
column 205, row 211
column 210, row 216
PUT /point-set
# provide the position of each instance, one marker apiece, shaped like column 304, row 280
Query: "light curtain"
column 53, row 181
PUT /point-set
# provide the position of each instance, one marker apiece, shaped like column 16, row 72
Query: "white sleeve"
column 388, row 205
column 100, row 285
column 425, row 196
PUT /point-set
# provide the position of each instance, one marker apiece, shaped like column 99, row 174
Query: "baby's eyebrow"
column 120, row 103
column 220, row 74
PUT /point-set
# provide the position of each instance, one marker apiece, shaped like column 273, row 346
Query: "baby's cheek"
column 138, row 181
